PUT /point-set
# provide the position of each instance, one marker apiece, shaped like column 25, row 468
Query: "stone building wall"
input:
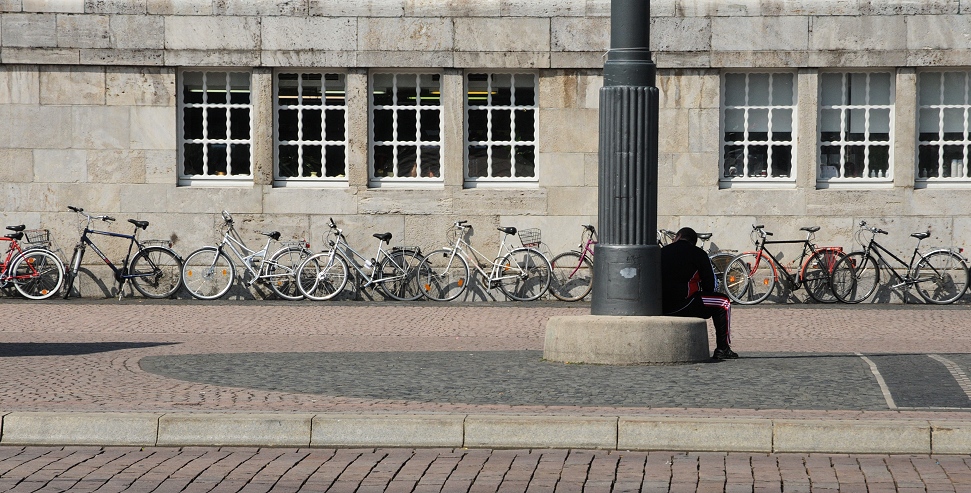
column 88, row 111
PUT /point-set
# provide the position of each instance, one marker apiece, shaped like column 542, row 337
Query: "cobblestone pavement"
column 449, row 470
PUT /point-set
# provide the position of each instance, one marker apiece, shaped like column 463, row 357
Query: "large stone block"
column 82, row 31
column 28, row 30
column 405, row 34
column 680, row 34
column 40, row 56
column 497, row 431
column 261, row 7
column 101, row 127
column 575, row 59
column 102, row 429
column 160, row 166
column 335, row 430
column 501, row 59
column 60, row 166
column 562, row 169
column 19, row 84
column 72, row 86
column 546, row 8
column 938, row 32
column 855, row 33
column 568, row 200
column 219, row 58
column 16, row 166
column 760, row 33
column 115, row 166
column 910, row 7
column 502, row 34
column 485, row 200
column 851, row 437
column 54, row 6
column 239, row 430
column 121, row 57
column 179, row 7
column 454, row 8
column 302, row 33
column 212, row 33
column 140, row 86
column 213, row 200
column 337, row 201
column 624, row 340
column 683, row 89
column 308, row 58
column 152, row 127
column 42, row 127
column 569, row 130
column 695, row 434
column 357, row 8
column 580, row 34
column 950, row 437
column 768, row 203
column 128, row 7
column 136, row 32
column 388, row 201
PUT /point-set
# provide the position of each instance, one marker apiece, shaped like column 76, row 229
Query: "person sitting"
column 688, row 286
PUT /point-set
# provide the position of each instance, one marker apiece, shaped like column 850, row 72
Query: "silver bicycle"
column 523, row 274
column 208, row 272
column 395, row 270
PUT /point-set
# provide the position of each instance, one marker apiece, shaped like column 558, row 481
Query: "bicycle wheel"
column 572, row 276
column 855, row 278
column 399, row 275
column 281, row 271
column 443, row 276
column 942, row 277
column 156, row 272
column 817, row 275
column 208, row 273
column 525, row 274
column 322, row 276
column 71, row 273
column 38, row 274
column 719, row 263
column 749, row 279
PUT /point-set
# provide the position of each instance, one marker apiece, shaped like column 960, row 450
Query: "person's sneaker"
column 723, row 354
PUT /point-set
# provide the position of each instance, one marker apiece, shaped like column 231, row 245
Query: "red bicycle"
column 35, row 272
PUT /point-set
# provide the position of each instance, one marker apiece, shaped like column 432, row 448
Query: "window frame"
column 745, row 142
column 375, row 181
column 181, row 105
column 941, row 142
column 309, row 181
column 823, row 181
column 494, row 181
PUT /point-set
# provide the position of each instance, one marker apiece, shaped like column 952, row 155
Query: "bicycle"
column 572, row 271
column 941, row 276
column 208, row 272
column 719, row 258
column 154, row 270
column 751, row 276
column 522, row 274
column 35, row 272
column 323, row 275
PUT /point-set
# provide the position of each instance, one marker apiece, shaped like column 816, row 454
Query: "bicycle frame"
column 585, row 248
column 121, row 273
column 245, row 254
column 494, row 275
column 874, row 247
column 341, row 247
column 808, row 250
column 13, row 251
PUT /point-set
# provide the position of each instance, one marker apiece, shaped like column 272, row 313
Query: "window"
column 943, row 141
column 311, row 128
column 758, row 117
column 500, row 127
column 855, row 127
column 216, row 127
column 406, row 119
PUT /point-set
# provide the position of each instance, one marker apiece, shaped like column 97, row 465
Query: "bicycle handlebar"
column 89, row 217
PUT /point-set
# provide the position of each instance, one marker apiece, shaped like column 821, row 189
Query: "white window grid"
column 824, row 176
column 220, row 83
column 301, row 142
column 747, row 142
column 490, row 142
column 957, row 168
column 396, row 109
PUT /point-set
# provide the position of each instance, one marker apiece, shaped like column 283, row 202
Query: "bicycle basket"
column 530, row 237
column 38, row 236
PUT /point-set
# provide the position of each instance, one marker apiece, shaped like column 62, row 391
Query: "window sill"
column 413, row 184
column 856, row 184
column 216, row 182
column 532, row 184
column 759, row 183
column 943, row 183
column 311, row 183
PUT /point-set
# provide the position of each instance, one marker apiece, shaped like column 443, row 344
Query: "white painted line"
column 880, row 381
column 956, row 372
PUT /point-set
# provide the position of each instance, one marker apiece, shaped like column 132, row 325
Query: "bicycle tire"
column 719, row 264
column 531, row 277
column 38, row 274
column 399, row 274
column 571, row 276
column 71, row 273
column 817, row 275
column 855, row 278
column 748, row 282
column 443, row 275
column 156, row 272
column 942, row 277
column 322, row 276
column 208, row 273
column 281, row 272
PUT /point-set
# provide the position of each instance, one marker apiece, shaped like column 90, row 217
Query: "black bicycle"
column 155, row 270
column 941, row 275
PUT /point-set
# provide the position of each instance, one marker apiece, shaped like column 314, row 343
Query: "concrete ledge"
column 615, row 340
column 244, row 430
column 40, row 428
column 487, row 431
column 950, row 437
column 695, row 435
column 339, row 430
column 852, row 437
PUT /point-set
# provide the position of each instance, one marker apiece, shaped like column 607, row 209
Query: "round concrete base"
column 615, row 340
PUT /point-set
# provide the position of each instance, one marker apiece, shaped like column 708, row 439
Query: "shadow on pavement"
column 14, row 349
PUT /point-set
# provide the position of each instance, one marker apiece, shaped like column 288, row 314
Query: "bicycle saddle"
column 704, row 236
column 921, row 236
column 272, row 234
column 16, row 236
column 811, row 229
column 139, row 224
column 385, row 237
column 507, row 229
column 19, row 227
